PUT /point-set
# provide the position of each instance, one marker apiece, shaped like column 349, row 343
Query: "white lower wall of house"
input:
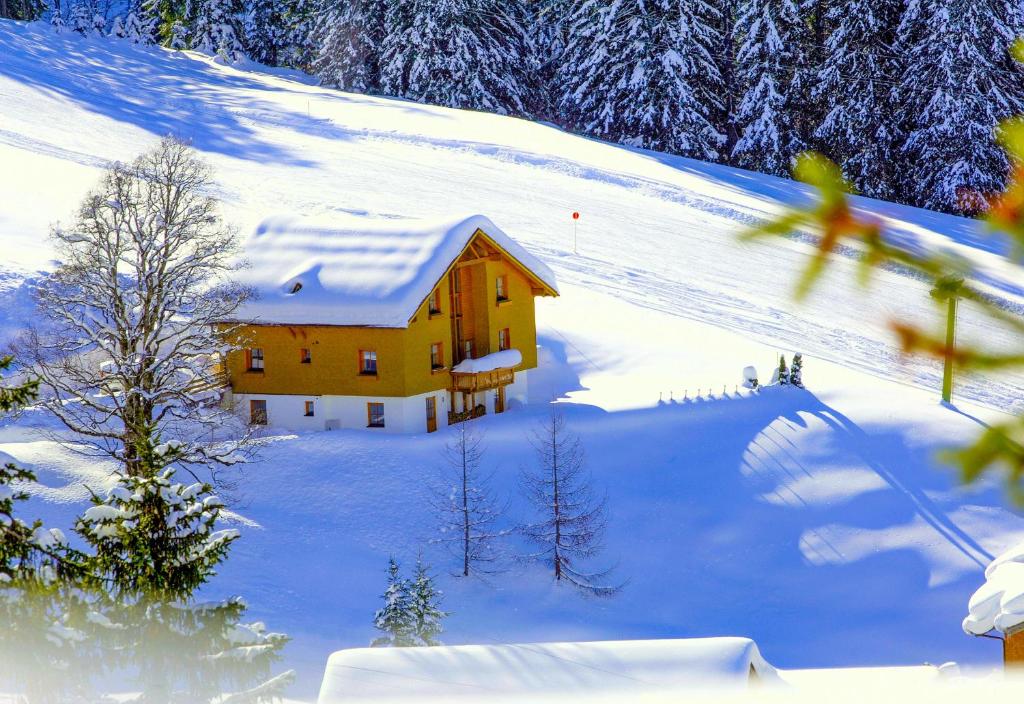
column 401, row 414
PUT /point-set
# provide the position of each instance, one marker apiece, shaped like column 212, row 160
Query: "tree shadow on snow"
column 162, row 92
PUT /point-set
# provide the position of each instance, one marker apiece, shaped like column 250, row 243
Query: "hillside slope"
column 817, row 522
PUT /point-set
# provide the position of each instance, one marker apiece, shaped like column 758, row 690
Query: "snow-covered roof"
column 528, row 671
column 334, row 271
column 999, row 602
column 504, row 359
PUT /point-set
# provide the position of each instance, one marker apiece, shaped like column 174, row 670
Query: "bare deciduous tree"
column 572, row 520
column 127, row 346
column 468, row 512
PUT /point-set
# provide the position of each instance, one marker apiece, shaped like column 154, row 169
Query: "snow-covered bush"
column 750, row 377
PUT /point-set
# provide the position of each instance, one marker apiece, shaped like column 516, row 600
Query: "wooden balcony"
column 471, row 382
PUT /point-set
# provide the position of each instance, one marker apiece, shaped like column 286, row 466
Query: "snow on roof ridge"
column 522, row 671
column 999, row 602
column 349, row 270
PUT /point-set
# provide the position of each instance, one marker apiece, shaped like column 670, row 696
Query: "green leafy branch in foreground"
column 834, row 224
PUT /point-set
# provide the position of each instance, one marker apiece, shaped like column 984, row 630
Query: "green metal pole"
column 947, row 372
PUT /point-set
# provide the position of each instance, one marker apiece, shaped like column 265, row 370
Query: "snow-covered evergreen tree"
column 117, row 29
column 40, row 595
column 81, row 17
column 796, row 371
column 467, row 510
column 770, row 74
column 57, row 17
column 216, row 29
column 179, row 36
column 141, row 22
column 425, row 607
column 154, row 542
column 99, row 24
column 264, row 30
column 549, row 32
column 460, row 53
column 350, row 35
column 860, row 129
column 300, row 36
column 958, row 84
column 25, row 10
column 643, row 72
column 394, row 619
column 781, row 375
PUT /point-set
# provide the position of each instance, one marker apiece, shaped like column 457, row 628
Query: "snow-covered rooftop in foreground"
column 999, row 602
column 523, row 672
column 355, row 271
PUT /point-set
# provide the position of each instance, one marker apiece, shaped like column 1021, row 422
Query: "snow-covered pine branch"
column 571, row 521
column 127, row 347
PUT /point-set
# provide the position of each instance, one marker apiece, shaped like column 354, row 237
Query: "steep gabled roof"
column 319, row 271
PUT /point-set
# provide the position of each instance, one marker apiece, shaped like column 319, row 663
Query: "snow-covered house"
column 541, row 672
column 998, row 604
column 391, row 325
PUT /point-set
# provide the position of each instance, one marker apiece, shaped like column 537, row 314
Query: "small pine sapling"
column 796, row 377
column 426, row 614
column 782, row 373
column 394, row 619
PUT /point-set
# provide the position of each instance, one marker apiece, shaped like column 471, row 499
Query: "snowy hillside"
column 817, row 522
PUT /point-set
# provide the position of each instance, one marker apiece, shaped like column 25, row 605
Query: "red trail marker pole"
column 575, row 218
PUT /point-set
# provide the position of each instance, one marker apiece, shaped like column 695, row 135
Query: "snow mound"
column 327, row 271
column 522, row 672
column 999, row 603
column 504, row 359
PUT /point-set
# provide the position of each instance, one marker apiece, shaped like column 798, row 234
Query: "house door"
column 431, row 414
column 499, row 400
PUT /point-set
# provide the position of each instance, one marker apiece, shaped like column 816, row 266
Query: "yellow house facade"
column 397, row 328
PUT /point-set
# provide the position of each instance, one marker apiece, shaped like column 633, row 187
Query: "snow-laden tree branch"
column 127, row 346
